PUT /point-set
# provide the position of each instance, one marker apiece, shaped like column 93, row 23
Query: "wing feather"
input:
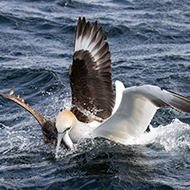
column 137, row 108
column 90, row 76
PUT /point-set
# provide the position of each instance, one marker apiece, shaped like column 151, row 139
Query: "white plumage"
column 134, row 109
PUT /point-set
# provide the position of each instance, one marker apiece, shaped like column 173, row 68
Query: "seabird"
column 95, row 112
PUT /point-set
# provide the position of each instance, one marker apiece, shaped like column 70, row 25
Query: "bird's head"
column 64, row 122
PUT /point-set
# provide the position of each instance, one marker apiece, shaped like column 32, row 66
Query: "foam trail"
column 172, row 137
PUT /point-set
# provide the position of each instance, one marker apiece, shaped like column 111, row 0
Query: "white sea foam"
column 172, row 137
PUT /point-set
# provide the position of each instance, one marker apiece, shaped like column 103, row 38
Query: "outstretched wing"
column 47, row 125
column 137, row 108
column 90, row 76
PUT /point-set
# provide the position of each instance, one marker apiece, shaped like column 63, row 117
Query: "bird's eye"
column 67, row 129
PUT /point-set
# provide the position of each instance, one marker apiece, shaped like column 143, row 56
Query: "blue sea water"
column 149, row 43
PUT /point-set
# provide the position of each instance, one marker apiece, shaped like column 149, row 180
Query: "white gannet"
column 95, row 112
column 134, row 107
column 134, row 111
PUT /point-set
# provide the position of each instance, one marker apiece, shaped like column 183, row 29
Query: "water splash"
column 173, row 137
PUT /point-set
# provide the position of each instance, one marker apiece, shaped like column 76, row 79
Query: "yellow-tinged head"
column 64, row 122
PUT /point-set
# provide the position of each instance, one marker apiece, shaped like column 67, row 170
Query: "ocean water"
column 149, row 43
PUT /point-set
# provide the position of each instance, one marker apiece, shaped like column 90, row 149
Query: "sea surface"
column 149, row 43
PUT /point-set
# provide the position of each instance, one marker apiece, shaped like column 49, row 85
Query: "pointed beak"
column 60, row 136
column 66, row 139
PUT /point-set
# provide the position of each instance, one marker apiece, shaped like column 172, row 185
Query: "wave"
column 174, row 137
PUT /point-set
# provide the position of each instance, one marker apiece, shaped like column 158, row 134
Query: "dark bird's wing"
column 90, row 76
column 47, row 125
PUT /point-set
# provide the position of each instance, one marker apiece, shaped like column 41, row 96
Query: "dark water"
column 150, row 44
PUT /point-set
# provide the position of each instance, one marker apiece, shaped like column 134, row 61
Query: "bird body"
column 134, row 112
